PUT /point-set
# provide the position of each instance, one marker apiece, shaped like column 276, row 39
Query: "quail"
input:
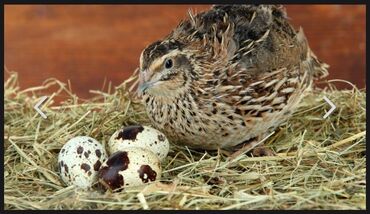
column 227, row 76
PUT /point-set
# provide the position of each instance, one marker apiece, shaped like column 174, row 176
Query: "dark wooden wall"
column 87, row 44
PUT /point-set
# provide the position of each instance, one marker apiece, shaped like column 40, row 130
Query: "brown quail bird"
column 227, row 76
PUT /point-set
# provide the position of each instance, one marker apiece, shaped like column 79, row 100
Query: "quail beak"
column 143, row 87
column 144, row 83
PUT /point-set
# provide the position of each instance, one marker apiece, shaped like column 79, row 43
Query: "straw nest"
column 320, row 163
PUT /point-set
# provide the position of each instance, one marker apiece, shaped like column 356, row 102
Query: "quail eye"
column 168, row 64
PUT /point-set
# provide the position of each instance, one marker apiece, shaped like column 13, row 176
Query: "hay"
column 320, row 163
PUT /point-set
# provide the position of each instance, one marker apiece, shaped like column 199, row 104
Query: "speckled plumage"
column 226, row 75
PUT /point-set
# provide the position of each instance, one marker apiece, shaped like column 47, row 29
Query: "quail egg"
column 79, row 161
column 139, row 136
column 129, row 167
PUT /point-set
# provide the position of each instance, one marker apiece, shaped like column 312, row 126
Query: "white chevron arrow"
column 332, row 107
column 36, row 107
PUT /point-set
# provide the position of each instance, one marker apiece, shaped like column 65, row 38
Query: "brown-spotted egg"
column 139, row 136
column 129, row 167
column 79, row 161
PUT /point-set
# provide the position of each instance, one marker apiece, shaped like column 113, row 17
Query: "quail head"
column 226, row 76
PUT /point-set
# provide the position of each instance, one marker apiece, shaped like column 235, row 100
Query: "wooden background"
column 87, row 44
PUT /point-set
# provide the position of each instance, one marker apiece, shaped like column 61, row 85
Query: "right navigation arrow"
column 332, row 107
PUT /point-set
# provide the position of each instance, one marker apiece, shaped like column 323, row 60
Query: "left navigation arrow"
column 37, row 106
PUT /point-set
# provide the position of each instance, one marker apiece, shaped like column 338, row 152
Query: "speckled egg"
column 133, row 166
column 139, row 136
column 80, row 160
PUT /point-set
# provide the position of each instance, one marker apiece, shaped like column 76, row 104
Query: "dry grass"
column 321, row 163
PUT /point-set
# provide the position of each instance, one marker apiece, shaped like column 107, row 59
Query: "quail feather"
column 227, row 76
